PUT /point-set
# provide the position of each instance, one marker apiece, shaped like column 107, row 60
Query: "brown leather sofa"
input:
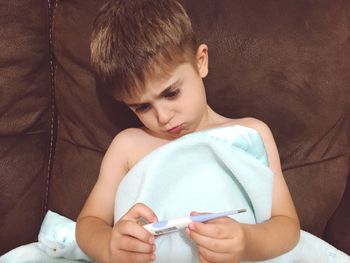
column 284, row 62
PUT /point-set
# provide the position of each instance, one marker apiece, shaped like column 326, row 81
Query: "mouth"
column 175, row 130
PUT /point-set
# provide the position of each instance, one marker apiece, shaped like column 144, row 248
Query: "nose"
column 164, row 115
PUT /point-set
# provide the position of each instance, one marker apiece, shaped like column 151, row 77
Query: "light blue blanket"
column 213, row 170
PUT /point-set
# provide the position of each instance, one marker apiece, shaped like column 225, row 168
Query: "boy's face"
column 176, row 106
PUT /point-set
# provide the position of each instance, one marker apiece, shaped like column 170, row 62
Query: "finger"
column 141, row 210
column 213, row 244
column 131, row 228
column 131, row 244
column 220, row 220
column 211, row 256
column 218, row 231
column 202, row 259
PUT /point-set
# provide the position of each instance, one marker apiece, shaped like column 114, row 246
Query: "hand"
column 219, row 240
column 130, row 242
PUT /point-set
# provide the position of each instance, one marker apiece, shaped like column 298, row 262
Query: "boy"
column 146, row 55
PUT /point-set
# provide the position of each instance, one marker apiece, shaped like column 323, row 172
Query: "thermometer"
column 167, row 226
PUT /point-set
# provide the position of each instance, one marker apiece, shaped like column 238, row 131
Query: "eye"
column 172, row 94
column 142, row 108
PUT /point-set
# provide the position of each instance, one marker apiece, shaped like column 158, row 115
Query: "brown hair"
column 134, row 40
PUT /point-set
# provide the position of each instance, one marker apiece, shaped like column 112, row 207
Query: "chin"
column 174, row 135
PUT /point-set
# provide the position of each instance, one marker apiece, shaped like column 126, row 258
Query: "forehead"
column 157, row 83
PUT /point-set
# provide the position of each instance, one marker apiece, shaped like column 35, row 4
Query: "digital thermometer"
column 167, row 226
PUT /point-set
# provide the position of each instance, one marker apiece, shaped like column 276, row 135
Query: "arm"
column 281, row 233
column 126, row 241
column 226, row 240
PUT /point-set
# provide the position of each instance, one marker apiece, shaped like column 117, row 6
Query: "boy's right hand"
column 131, row 242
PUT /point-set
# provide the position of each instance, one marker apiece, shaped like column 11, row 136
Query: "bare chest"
column 143, row 148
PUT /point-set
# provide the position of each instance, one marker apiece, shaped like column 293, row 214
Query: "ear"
column 202, row 60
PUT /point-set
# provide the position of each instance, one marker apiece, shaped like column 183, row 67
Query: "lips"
column 176, row 129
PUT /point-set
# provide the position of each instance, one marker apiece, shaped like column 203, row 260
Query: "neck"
column 212, row 119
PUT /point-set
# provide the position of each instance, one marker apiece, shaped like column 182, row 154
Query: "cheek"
column 146, row 119
column 197, row 98
column 141, row 117
column 193, row 107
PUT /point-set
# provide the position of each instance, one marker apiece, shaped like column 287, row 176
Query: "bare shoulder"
column 268, row 140
column 127, row 138
column 117, row 154
column 261, row 127
column 265, row 133
column 127, row 142
column 133, row 144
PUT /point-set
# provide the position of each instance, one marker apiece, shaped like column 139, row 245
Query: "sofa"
column 284, row 62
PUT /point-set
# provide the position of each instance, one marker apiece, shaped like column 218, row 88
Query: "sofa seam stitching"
column 52, row 6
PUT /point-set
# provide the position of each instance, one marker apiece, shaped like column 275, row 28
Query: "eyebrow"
column 135, row 105
column 162, row 94
column 169, row 88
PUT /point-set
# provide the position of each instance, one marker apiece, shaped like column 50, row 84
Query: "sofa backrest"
column 25, row 119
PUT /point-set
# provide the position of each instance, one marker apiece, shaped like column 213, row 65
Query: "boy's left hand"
column 219, row 240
